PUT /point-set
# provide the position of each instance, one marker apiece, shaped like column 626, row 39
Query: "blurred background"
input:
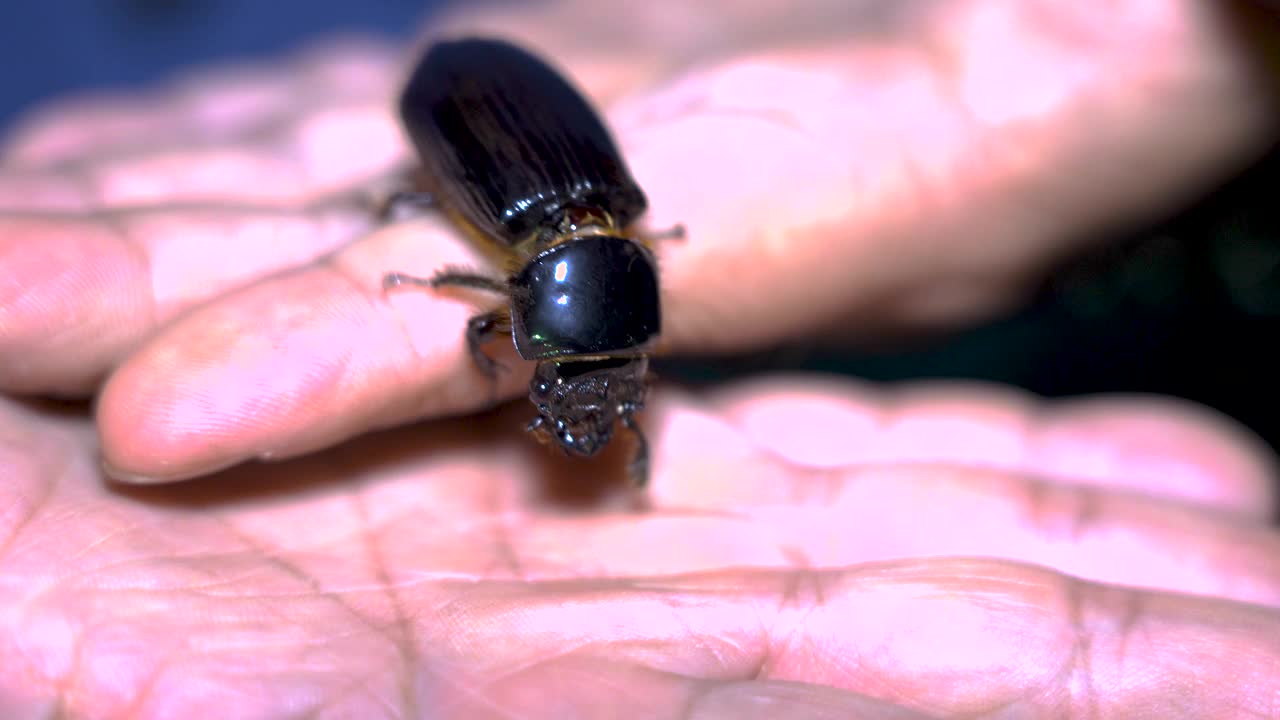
column 1183, row 307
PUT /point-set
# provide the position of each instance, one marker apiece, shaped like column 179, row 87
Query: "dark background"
column 1184, row 307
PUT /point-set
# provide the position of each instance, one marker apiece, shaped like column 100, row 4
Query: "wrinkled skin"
column 807, row 549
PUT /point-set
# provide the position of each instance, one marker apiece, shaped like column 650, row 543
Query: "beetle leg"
column 455, row 278
column 403, row 202
column 649, row 238
column 540, row 431
column 480, row 330
column 675, row 232
column 638, row 468
column 461, row 278
column 399, row 195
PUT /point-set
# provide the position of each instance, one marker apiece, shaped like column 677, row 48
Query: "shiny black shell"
column 508, row 145
column 596, row 295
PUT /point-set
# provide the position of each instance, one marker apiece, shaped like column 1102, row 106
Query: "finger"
column 883, row 514
column 219, row 106
column 298, row 362
column 1148, row 445
column 80, row 294
column 240, row 133
column 318, row 152
column 88, row 288
column 831, row 477
column 922, row 177
column 949, row 638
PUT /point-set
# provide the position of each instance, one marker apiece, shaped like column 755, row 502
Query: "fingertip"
column 74, row 296
column 267, row 370
column 292, row 364
column 1160, row 445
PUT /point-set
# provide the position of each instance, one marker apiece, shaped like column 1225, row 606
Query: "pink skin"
column 807, row 549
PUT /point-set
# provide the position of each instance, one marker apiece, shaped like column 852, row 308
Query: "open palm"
column 202, row 263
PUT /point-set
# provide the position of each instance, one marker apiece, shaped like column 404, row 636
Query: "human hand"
column 423, row 569
column 870, row 169
column 810, row 550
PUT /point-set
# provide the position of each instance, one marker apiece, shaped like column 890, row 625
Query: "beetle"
column 516, row 157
